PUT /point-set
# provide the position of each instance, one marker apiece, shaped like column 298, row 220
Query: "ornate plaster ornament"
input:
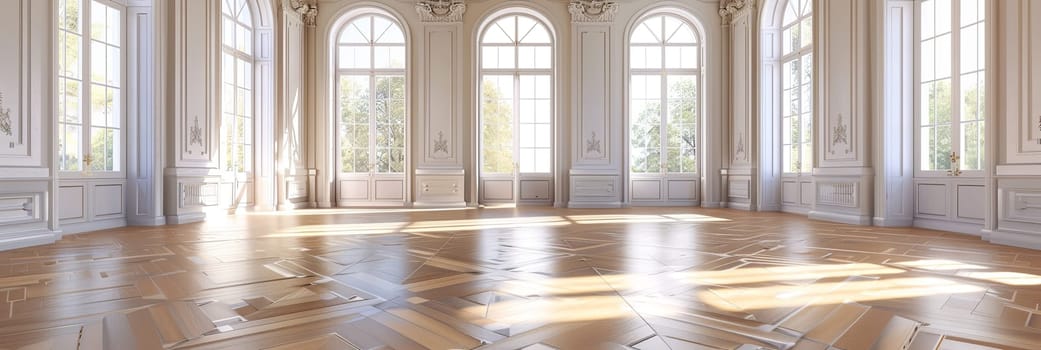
column 441, row 145
column 728, row 8
column 838, row 134
column 593, row 145
column 307, row 10
column 5, row 118
column 592, row 10
column 441, row 10
column 195, row 133
column 739, row 153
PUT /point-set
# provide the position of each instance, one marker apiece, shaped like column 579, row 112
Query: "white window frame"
column 372, row 73
column 663, row 73
column 955, row 77
column 786, row 58
column 248, row 57
column 516, row 73
column 120, row 157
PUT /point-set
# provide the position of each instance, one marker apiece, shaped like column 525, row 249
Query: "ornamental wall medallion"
column 441, row 10
column 593, row 145
column 441, row 145
column 592, row 10
column 5, row 118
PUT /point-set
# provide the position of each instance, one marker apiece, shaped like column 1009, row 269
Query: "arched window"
column 797, row 87
column 664, row 107
column 370, row 65
column 951, row 61
column 237, row 87
column 516, row 107
column 90, row 80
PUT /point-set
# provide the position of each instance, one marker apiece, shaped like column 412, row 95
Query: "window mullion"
column 85, row 85
column 956, row 136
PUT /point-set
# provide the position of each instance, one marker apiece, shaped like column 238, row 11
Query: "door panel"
column 497, row 190
column 390, row 190
column 683, row 190
column 649, row 190
column 354, row 190
column 537, row 190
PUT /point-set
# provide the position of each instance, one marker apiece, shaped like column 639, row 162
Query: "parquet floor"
column 530, row 278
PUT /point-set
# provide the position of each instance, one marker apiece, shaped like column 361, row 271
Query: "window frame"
column 516, row 73
column 85, row 80
column 955, row 77
column 798, row 54
column 251, row 59
column 372, row 74
column 663, row 73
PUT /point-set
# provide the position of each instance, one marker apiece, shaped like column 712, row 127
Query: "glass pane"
column 928, row 16
column 497, row 124
column 806, row 32
column 537, row 35
column 72, row 101
column 943, row 16
column 969, row 41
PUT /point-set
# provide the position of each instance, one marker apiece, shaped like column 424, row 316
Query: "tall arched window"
column 516, row 109
column 664, row 109
column 797, row 87
column 237, row 87
column 952, row 56
column 90, row 80
column 370, row 65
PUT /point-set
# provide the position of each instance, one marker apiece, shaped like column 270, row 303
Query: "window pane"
column 497, row 124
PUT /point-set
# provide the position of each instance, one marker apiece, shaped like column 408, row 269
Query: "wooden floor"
column 532, row 278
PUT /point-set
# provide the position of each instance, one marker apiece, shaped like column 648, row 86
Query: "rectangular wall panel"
column 932, row 199
column 439, row 95
column 108, row 200
column 594, row 137
column 646, row 190
column 535, row 190
column 687, row 190
column 972, row 202
column 71, row 204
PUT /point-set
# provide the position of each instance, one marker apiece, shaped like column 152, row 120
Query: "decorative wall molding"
column 592, row 10
column 838, row 194
column 5, row 117
column 839, row 135
column 308, row 11
column 448, row 11
column 593, row 145
column 441, row 144
column 728, row 9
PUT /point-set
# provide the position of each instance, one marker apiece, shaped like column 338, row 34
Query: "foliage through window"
column 237, row 87
column 797, row 94
column 516, row 96
column 664, row 78
column 371, row 93
column 90, row 79
column 951, row 75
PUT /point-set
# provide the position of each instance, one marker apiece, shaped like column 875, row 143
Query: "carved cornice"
column 729, row 8
column 441, row 10
column 592, row 10
column 308, row 11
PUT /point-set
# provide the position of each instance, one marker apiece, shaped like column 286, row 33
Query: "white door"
column 516, row 115
column 372, row 140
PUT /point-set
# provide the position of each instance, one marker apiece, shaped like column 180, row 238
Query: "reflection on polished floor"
column 532, row 278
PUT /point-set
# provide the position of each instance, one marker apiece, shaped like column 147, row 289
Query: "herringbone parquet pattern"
column 530, row 278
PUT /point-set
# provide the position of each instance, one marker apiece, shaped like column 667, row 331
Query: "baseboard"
column 89, row 226
column 892, row 222
column 950, row 226
column 185, row 218
column 15, row 240
column 1015, row 239
column 594, row 205
column 294, row 206
column 435, row 205
column 739, row 206
column 666, row 204
column 146, row 221
column 796, row 210
column 712, row 205
column 771, row 207
column 842, row 218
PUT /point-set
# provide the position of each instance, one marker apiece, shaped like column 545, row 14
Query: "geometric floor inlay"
column 527, row 278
